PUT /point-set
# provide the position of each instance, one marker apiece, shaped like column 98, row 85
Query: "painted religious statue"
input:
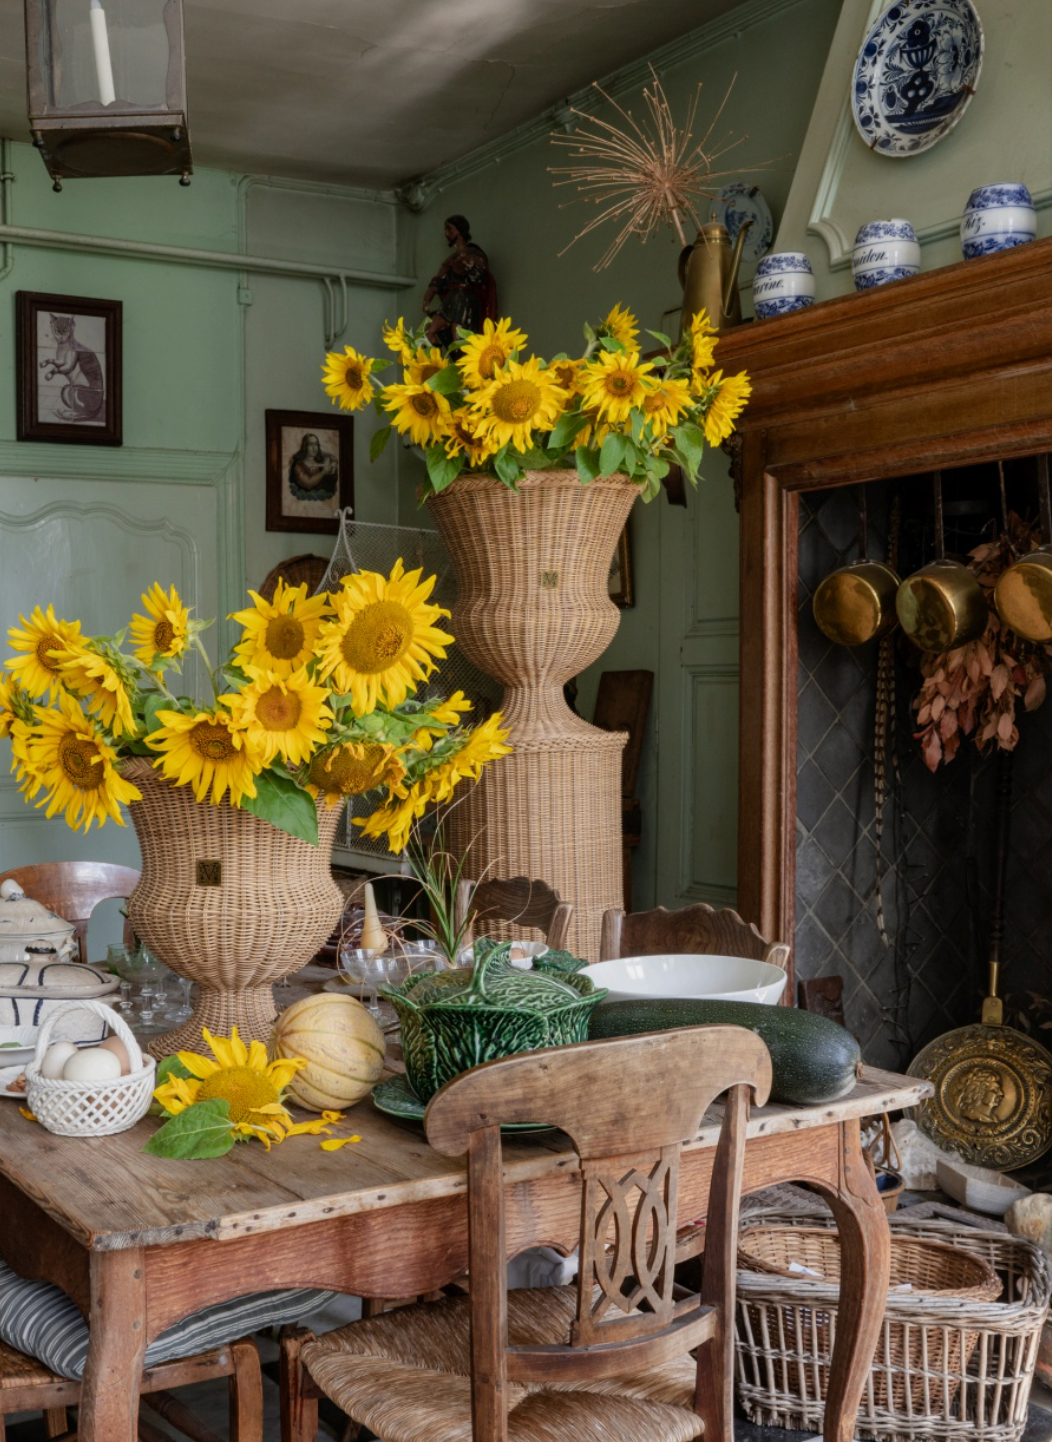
column 463, row 287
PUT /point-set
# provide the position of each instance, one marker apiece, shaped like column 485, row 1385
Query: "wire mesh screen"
column 364, row 546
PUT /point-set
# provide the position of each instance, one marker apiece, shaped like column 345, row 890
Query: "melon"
column 342, row 1045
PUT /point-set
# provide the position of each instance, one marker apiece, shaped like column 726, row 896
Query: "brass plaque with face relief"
column 993, row 1096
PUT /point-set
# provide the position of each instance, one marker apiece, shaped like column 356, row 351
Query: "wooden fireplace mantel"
column 945, row 369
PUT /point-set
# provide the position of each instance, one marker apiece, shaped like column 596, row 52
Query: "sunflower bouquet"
column 482, row 409
column 317, row 699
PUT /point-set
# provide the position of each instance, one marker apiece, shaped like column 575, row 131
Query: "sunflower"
column 621, row 326
column 615, row 383
column 347, row 380
column 207, row 749
column 353, row 768
column 394, row 820
column 280, row 635
column 463, row 440
column 438, row 719
column 568, row 374
column 251, row 1086
column 16, row 706
column 422, row 364
column 163, row 632
column 421, row 413
column 592, row 434
column 67, row 754
column 477, row 747
column 483, row 355
column 383, row 638
column 396, row 340
column 521, row 400
column 44, row 634
column 703, row 340
column 726, row 406
column 97, row 679
column 284, row 716
column 666, row 403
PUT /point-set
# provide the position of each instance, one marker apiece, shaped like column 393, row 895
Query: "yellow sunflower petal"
column 337, row 1143
column 229, row 1052
column 200, row 1066
column 257, row 1056
column 282, row 1071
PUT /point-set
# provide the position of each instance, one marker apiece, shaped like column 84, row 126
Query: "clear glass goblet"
column 364, row 971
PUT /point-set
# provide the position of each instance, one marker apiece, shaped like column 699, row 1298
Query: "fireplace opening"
column 902, row 908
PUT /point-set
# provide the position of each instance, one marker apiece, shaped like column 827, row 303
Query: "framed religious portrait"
column 68, row 369
column 619, row 579
column 310, row 470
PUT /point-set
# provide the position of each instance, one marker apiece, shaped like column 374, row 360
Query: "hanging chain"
column 882, row 730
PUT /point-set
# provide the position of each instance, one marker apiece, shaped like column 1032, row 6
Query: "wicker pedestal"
column 229, row 901
column 533, row 610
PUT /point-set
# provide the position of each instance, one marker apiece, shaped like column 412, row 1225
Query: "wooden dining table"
column 139, row 1241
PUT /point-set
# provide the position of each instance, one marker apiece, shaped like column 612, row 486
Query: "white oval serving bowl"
column 978, row 1188
column 17, row 1044
column 689, row 977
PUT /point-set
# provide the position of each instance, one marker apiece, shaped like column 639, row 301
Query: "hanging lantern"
column 107, row 87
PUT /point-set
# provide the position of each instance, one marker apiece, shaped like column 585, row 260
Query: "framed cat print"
column 310, row 470
column 68, row 369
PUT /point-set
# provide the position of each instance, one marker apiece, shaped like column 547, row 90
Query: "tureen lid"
column 24, row 920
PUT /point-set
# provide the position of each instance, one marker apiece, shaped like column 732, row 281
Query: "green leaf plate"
column 396, row 1098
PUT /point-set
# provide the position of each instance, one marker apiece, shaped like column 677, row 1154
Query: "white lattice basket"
column 90, row 1108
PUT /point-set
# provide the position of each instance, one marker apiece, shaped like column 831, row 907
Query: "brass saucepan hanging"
column 941, row 606
column 1023, row 594
column 857, row 602
column 992, row 1102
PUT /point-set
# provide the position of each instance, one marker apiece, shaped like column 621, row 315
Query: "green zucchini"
column 812, row 1059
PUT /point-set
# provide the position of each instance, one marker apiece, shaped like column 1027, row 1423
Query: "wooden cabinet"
column 945, row 369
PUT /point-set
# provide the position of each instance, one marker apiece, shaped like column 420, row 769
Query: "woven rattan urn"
column 533, row 610
column 227, row 900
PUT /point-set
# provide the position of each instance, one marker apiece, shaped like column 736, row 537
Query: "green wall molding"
column 117, row 463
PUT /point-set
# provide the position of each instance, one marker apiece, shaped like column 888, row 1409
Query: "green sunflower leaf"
column 565, row 428
column 378, row 441
column 690, row 443
column 608, row 343
column 170, row 1066
column 508, row 467
column 442, row 469
column 202, row 1130
column 285, row 805
column 587, row 459
column 612, row 454
column 446, row 381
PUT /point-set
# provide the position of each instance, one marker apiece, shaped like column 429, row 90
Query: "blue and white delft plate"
column 916, row 72
column 743, row 202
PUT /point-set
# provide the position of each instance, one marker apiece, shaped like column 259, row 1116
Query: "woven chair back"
column 628, row 1105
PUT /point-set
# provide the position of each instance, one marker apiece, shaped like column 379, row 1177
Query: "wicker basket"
column 947, row 1367
column 90, row 1108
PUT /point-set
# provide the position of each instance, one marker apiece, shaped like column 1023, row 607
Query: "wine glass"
column 364, row 970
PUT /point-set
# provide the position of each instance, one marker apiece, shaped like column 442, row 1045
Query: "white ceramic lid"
column 24, row 922
column 54, row 979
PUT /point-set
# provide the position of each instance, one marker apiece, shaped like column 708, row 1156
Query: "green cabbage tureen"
column 454, row 1020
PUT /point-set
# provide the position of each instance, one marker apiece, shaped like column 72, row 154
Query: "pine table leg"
column 865, row 1253
column 109, row 1399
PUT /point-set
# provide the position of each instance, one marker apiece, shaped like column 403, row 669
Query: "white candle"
column 374, row 938
column 101, row 42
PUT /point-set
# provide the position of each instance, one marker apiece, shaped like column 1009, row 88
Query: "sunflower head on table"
column 318, row 699
column 486, row 409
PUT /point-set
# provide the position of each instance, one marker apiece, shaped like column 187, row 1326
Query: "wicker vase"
column 228, row 901
column 533, row 610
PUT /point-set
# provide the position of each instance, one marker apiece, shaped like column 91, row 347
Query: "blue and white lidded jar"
column 884, row 250
column 997, row 217
column 783, row 282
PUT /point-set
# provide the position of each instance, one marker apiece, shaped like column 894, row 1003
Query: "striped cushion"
column 40, row 1319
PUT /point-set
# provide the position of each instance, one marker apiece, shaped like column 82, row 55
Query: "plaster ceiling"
column 377, row 92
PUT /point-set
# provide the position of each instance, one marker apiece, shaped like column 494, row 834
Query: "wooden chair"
column 522, row 901
column 26, row 1385
column 549, row 1357
column 692, row 929
column 73, row 889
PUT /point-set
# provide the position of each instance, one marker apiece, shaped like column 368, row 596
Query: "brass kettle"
column 708, row 273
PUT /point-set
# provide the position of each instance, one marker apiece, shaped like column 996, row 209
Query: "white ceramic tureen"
column 28, row 929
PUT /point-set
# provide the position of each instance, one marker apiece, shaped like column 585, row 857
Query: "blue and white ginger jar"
column 997, row 217
column 783, row 282
column 885, row 250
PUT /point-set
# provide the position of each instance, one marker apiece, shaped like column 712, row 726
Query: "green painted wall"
column 520, row 220
column 206, row 352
